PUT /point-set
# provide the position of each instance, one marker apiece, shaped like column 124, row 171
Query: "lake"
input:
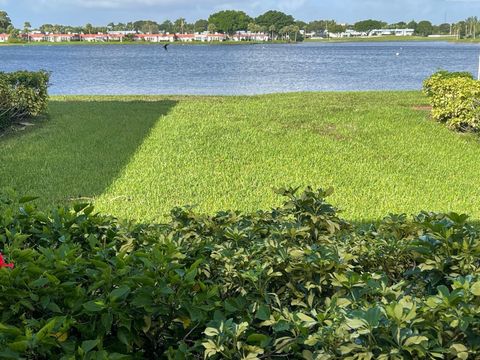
column 240, row 69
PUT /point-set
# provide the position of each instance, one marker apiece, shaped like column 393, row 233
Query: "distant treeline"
column 231, row 21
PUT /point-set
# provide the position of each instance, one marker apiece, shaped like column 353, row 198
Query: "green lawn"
column 389, row 38
column 137, row 157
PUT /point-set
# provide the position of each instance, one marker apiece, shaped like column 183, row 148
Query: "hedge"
column 296, row 282
column 23, row 95
column 455, row 98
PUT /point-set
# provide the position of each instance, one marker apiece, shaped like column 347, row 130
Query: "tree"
column 230, row 21
column 444, row 29
column 254, row 28
column 319, row 26
column 336, row 28
column 276, row 18
column 368, row 25
column 166, row 26
column 26, row 27
column 201, row 25
column 179, row 25
column 424, row 28
column 88, row 28
column 146, row 26
column 272, row 29
column 5, row 21
column 399, row 25
column 471, row 26
column 412, row 25
column 295, row 29
column 212, row 28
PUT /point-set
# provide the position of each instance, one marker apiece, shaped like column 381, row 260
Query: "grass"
column 137, row 157
column 384, row 39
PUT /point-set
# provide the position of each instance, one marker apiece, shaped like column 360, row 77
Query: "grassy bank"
column 137, row 157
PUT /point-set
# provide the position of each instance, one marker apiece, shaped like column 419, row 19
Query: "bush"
column 23, row 95
column 455, row 98
column 295, row 282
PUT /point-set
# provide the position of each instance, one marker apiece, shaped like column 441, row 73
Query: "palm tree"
column 272, row 29
column 89, row 28
column 296, row 30
column 26, row 29
column 212, row 28
column 180, row 25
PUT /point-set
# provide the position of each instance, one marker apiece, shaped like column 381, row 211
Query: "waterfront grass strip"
column 137, row 157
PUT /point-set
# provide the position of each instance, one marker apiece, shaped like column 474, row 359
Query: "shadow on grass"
column 80, row 150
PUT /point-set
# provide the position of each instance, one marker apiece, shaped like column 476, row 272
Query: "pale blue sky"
column 97, row 12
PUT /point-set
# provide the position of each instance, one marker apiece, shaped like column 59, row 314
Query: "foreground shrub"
column 23, row 95
column 295, row 282
column 455, row 98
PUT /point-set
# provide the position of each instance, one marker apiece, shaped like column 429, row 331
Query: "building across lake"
column 120, row 36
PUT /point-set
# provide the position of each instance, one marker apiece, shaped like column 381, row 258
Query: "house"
column 155, row 37
column 115, row 37
column 249, row 36
column 404, row 32
column 4, row 38
column 60, row 37
column 37, row 37
column 391, row 32
column 308, row 35
column 94, row 37
column 185, row 37
column 208, row 37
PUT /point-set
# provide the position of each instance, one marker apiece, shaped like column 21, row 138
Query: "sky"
column 102, row 12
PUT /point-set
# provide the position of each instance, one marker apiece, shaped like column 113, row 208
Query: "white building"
column 208, row 37
column 391, row 32
column 249, row 36
column 37, row 37
column 155, row 37
column 59, row 37
column 4, row 38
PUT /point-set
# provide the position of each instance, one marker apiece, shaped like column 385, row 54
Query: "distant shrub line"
column 455, row 98
column 295, row 282
column 23, row 95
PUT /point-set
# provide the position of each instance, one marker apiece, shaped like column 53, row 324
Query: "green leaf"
column 20, row 346
column 27, row 199
column 458, row 348
column 119, row 293
column 259, row 339
column 415, row 340
column 355, row 323
column 475, row 289
column 94, row 306
column 263, row 313
column 80, row 206
column 305, row 318
column 209, row 331
column 89, row 345
column 124, row 336
column 45, row 330
column 117, row 356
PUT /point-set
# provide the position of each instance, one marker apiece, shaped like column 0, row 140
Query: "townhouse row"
column 115, row 37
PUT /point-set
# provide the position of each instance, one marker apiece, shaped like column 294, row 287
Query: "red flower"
column 4, row 264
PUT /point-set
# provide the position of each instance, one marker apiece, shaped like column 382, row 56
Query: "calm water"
column 239, row 69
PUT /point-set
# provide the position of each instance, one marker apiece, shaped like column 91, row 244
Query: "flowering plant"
column 4, row 264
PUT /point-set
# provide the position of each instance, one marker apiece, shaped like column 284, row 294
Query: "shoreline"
column 133, row 43
column 395, row 39
column 276, row 42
